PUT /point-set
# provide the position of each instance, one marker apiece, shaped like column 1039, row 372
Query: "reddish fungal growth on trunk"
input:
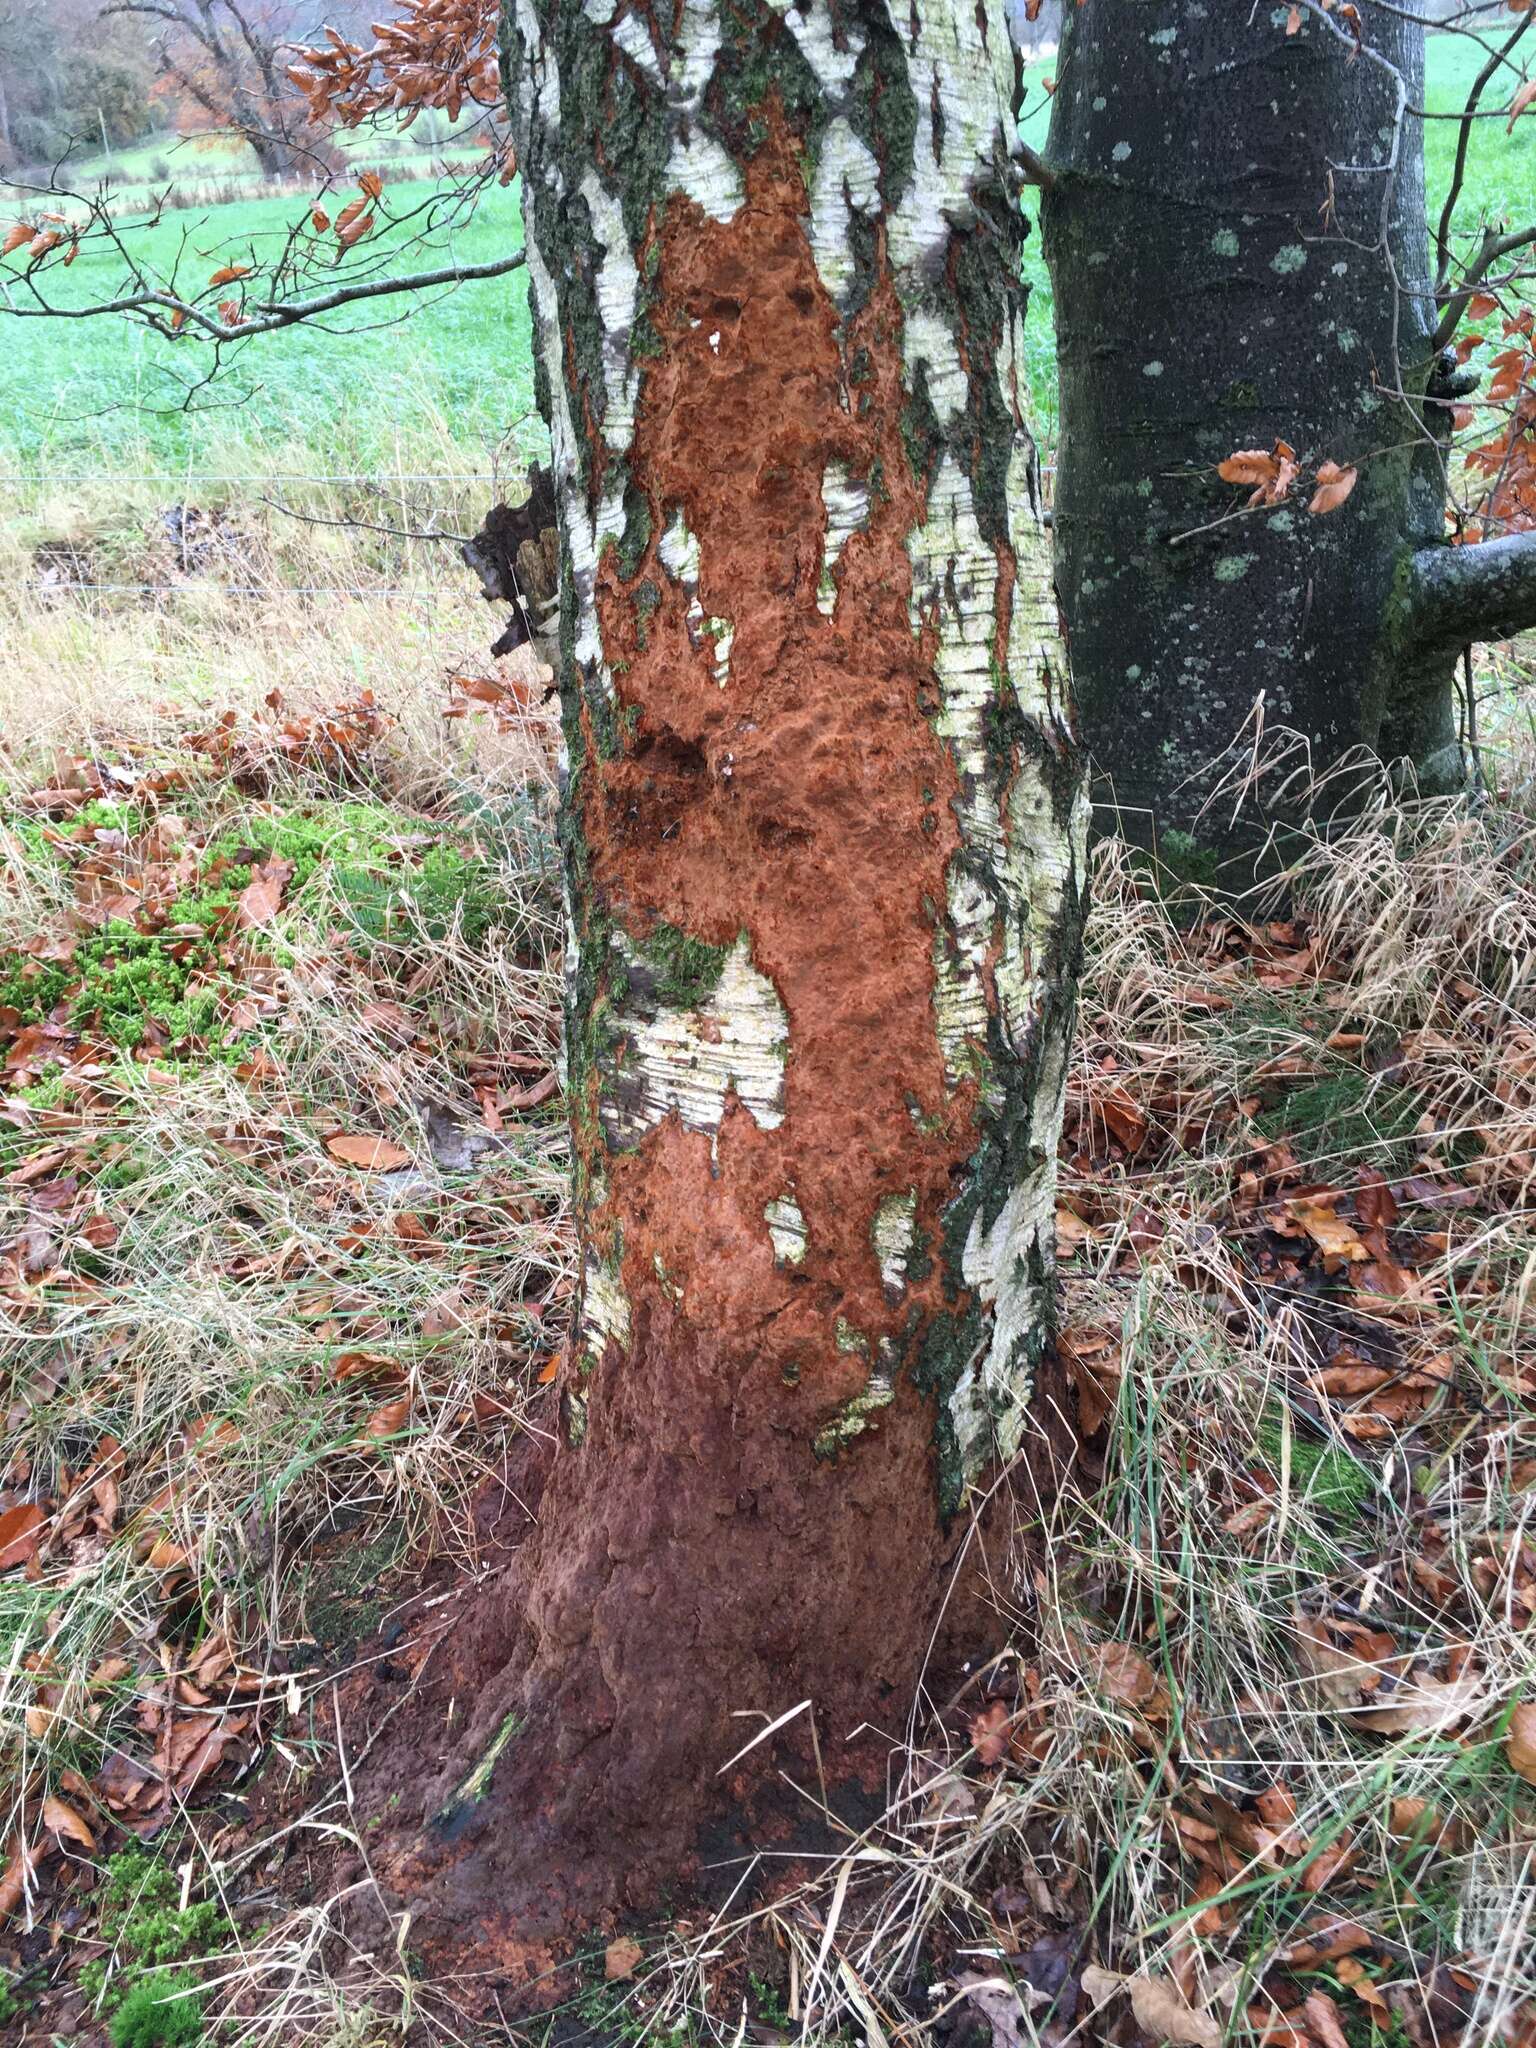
column 806, row 805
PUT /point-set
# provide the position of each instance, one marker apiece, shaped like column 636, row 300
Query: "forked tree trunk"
column 821, row 844
column 1236, row 226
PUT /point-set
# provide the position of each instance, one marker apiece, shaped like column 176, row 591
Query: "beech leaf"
column 621, row 1959
column 1158, row 2005
column 1520, row 1741
column 1333, row 487
column 368, row 1151
column 59, row 1815
column 1323, row 2021
column 18, row 1533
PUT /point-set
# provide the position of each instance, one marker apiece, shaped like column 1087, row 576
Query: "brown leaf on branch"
column 1271, row 472
column 1333, row 487
column 230, row 274
column 439, row 53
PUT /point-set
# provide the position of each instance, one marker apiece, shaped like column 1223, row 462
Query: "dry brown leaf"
column 1423, row 1706
column 1122, row 1673
column 262, row 897
column 989, row 1732
column 367, row 1150
column 1159, row 2006
column 1520, row 102
column 388, row 1420
column 1520, row 1741
column 59, row 1815
column 19, row 1537
column 13, row 1882
column 1349, row 1970
column 1337, row 1674
column 1333, row 487
column 621, row 1959
column 1323, row 2021
column 1334, row 1238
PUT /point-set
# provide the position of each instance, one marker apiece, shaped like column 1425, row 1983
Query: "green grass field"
column 110, row 395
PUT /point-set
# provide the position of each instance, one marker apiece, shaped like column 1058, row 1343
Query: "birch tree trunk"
column 821, row 836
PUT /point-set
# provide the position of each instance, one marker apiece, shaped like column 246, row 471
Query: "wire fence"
column 200, row 584
column 379, row 479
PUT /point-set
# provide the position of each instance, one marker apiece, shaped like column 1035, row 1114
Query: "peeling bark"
column 823, row 861
column 1235, row 223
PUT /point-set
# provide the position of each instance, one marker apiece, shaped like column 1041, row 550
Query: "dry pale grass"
column 289, row 1374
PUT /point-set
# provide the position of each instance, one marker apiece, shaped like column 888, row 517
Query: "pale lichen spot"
column 786, row 1230
column 851, row 1342
column 604, row 1306
column 1233, row 568
column 894, row 1236
column 1152, row 369
column 846, row 500
column 1120, row 152
column 855, row 1417
column 685, row 1059
column 1225, row 243
column 1287, row 261
column 723, row 633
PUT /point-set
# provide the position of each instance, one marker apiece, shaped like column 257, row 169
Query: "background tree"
column 67, row 84
column 1235, row 220
column 227, row 60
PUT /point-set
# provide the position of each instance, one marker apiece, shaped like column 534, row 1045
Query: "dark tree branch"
column 1459, row 595
column 1034, row 166
column 267, row 316
column 1464, row 135
column 1494, row 248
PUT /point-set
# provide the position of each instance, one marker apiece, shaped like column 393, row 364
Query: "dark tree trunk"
column 822, row 853
column 1237, row 261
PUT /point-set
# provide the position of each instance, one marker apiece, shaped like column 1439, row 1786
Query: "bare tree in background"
column 228, row 59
